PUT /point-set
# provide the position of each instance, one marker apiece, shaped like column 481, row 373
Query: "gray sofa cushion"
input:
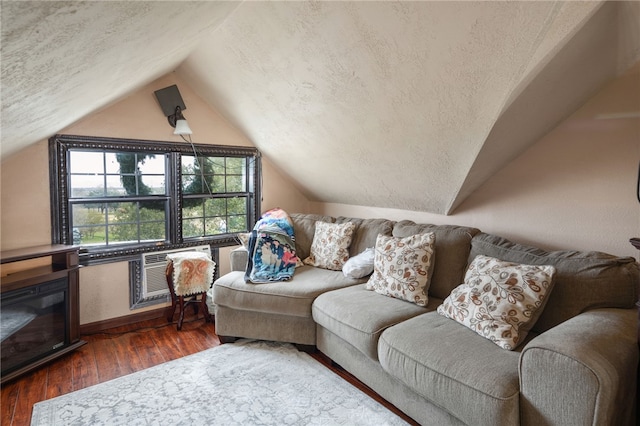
column 304, row 228
column 367, row 231
column 359, row 316
column 450, row 365
column 583, row 280
column 281, row 297
column 452, row 251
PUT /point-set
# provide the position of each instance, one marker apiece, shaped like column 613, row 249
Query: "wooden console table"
column 60, row 266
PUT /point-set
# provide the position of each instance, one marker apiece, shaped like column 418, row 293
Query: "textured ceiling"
column 408, row 105
column 63, row 60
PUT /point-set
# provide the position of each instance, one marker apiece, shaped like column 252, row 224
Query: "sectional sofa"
column 574, row 361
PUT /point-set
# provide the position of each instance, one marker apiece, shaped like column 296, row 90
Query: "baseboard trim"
column 98, row 326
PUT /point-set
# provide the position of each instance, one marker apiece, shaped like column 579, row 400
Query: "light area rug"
column 244, row 383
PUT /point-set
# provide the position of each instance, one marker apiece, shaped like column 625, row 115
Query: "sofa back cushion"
column 583, row 280
column 304, row 228
column 453, row 244
column 366, row 232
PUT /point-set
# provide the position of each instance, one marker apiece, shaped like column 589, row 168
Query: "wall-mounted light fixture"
column 172, row 106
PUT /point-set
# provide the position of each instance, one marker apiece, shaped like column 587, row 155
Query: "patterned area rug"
column 245, row 383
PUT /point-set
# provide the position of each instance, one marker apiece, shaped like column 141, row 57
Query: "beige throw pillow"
column 330, row 246
column 402, row 267
column 500, row 300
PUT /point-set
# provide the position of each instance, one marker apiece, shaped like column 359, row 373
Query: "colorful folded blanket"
column 272, row 249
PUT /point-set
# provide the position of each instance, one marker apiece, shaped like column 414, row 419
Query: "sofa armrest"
column 239, row 258
column 582, row 372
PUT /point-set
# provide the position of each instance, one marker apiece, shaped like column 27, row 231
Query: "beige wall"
column 25, row 214
column 574, row 189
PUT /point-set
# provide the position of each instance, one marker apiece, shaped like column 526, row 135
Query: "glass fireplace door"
column 32, row 323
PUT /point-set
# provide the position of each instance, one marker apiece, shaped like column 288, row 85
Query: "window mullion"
column 121, row 199
column 174, row 182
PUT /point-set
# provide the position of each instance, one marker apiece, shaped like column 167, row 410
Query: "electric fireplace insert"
column 32, row 323
column 39, row 312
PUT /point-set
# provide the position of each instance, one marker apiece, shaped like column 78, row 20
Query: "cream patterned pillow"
column 402, row 267
column 330, row 246
column 500, row 300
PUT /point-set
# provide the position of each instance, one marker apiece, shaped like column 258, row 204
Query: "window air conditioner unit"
column 154, row 281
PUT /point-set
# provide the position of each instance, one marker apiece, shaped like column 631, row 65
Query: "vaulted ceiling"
column 409, row 105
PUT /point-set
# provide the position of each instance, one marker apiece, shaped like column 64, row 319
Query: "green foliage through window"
column 143, row 193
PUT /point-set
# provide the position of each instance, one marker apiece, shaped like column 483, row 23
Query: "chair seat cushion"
column 292, row 297
column 465, row 374
column 359, row 316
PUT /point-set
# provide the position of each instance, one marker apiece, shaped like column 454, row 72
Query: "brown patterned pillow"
column 500, row 300
column 402, row 267
column 330, row 246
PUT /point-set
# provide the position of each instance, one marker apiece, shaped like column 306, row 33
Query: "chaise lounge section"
column 281, row 311
column 577, row 365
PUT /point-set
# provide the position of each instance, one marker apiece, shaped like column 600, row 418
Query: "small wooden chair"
column 188, row 292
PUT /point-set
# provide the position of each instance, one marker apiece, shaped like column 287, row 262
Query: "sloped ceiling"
column 409, row 105
column 63, row 60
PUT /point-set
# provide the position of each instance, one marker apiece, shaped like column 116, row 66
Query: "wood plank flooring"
column 116, row 352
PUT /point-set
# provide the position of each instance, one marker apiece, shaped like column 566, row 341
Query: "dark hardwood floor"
column 116, row 352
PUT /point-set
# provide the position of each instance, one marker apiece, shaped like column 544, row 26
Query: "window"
column 212, row 189
column 118, row 198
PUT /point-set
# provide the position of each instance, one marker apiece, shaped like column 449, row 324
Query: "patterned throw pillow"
column 402, row 267
column 330, row 246
column 500, row 300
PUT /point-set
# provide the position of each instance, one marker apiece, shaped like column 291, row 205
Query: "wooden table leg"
column 181, row 317
column 169, row 275
column 205, row 308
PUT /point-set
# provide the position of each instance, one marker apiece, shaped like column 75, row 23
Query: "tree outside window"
column 116, row 197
